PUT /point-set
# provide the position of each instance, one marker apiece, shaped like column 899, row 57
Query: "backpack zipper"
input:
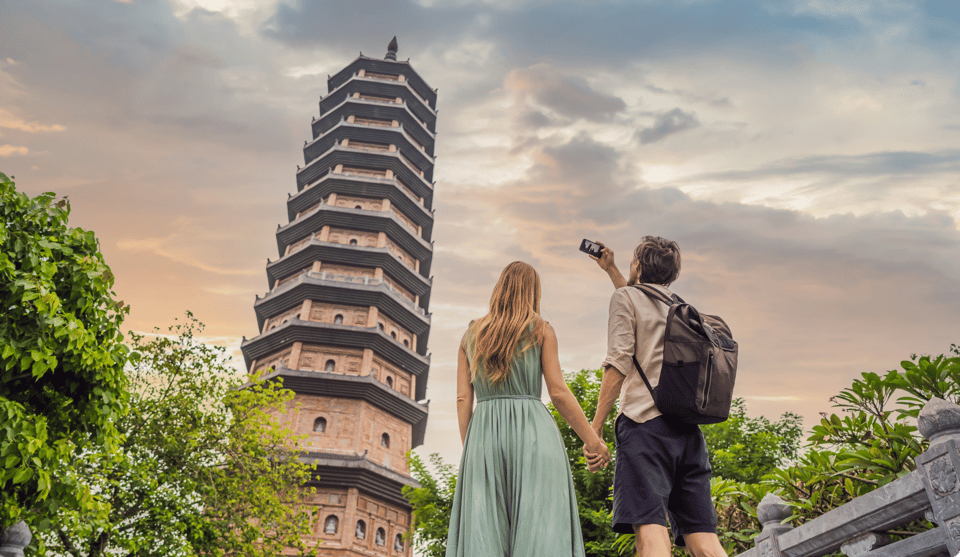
column 706, row 388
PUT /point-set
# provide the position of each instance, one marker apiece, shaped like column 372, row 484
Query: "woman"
column 514, row 493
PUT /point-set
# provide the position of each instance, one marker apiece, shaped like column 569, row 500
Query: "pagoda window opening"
column 406, row 343
column 382, row 328
column 398, row 544
column 390, row 381
column 393, row 334
column 338, row 319
column 353, row 241
column 358, row 207
column 385, row 440
column 320, row 425
column 381, row 537
column 361, row 531
column 332, row 524
column 330, row 366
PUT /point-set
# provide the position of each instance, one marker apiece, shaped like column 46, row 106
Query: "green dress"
column 515, row 495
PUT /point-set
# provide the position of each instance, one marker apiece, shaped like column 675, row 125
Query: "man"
column 662, row 464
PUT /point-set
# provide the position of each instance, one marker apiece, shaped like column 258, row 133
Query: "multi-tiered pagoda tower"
column 345, row 322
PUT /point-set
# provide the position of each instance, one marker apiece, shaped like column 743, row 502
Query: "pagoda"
column 345, row 320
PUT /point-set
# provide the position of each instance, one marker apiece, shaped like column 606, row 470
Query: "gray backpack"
column 699, row 364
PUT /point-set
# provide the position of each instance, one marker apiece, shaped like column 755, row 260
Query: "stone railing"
column 14, row 539
column 293, row 280
column 858, row 528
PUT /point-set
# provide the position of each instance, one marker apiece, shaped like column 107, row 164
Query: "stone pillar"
column 939, row 423
column 381, row 239
column 385, row 205
column 367, row 362
column 771, row 511
column 350, row 518
column 295, row 355
column 14, row 539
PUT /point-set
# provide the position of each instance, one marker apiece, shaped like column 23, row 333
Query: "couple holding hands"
column 515, row 495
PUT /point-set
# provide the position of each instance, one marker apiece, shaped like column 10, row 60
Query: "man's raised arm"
column 605, row 261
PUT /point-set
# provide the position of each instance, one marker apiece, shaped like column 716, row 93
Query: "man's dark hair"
column 659, row 260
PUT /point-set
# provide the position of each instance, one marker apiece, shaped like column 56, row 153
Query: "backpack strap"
column 657, row 295
column 660, row 297
column 642, row 374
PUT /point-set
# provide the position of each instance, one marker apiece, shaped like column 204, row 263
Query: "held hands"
column 596, row 453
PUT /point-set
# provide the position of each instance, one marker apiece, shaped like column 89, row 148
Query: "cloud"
column 890, row 163
column 10, row 121
column 569, row 97
column 9, row 150
column 666, row 124
column 175, row 248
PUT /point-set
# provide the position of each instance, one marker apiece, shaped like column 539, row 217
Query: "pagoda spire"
column 391, row 50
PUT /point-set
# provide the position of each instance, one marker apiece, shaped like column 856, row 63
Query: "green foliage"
column 62, row 381
column 432, row 503
column 745, row 449
column 205, row 467
column 875, row 443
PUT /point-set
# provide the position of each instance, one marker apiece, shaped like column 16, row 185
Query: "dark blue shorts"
column 662, row 468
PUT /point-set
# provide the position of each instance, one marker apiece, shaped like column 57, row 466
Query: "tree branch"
column 67, row 544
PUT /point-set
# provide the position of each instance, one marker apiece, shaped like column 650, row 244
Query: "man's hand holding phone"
column 604, row 258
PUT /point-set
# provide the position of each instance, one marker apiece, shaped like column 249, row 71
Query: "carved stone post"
column 939, row 422
column 14, row 539
column 771, row 511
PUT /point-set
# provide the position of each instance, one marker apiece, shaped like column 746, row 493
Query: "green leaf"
column 22, row 475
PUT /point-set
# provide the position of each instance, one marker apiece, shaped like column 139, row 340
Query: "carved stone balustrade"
column 14, row 539
column 857, row 529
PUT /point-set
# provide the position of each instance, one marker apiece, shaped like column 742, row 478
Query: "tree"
column 62, row 381
column 745, row 449
column 876, row 441
column 432, row 504
column 205, row 467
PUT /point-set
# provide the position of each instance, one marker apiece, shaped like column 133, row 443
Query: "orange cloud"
column 13, row 122
column 8, row 150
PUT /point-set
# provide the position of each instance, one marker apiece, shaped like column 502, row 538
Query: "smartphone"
column 591, row 248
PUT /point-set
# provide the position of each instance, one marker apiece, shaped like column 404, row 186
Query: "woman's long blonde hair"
column 514, row 306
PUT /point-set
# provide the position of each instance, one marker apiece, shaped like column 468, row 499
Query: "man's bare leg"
column 653, row 540
column 704, row 544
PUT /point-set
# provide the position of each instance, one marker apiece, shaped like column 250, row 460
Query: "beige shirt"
column 636, row 326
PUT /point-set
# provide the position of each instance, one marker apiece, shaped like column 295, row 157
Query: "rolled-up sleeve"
column 621, row 332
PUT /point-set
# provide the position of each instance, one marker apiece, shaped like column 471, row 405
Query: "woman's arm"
column 464, row 389
column 563, row 399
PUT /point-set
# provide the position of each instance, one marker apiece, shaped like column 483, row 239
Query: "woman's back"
column 523, row 380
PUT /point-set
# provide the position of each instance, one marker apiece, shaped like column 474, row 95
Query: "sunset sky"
column 804, row 154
